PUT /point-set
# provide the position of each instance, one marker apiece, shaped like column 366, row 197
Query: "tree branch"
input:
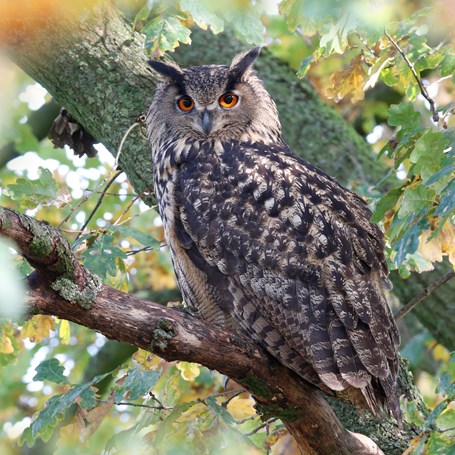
column 175, row 335
column 435, row 114
column 424, row 294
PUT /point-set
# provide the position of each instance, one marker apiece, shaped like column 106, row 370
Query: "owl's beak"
column 207, row 122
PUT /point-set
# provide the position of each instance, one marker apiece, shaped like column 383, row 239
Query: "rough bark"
column 175, row 335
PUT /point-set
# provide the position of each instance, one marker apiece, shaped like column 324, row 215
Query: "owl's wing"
column 303, row 265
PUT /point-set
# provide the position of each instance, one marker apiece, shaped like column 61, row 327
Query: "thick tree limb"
column 176, row 335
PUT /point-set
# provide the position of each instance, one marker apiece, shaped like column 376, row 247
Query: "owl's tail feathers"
column 381, row 396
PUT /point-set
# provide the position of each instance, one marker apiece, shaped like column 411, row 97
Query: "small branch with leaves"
column 423, row 90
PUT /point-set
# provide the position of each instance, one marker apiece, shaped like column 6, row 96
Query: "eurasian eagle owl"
column 264, row 243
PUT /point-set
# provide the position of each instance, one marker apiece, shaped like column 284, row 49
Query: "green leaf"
column 336, row 39
column 447, row 202
column 33, row 192
column 248, row 27
column 88, row 399
column 443, row 172
column 25, row 140
column 202, row 15
column 44, row 423
column 164, row 34
column 408, row 242
column 385, row 204
column 138, row 383
column 46, row 420
column 294, row 13
column 220, row 411
column 431, row 61
column 100, row 257
column 141, row 236
column 51, row 370
column 404, row 115
column 305, row 66
column 141, row 16
column 448, row 65
column 434, row 415
column 416, row 199
column 428, row 154
column 412, row 413
column 167, row 425
column 446, row 385
column 389, row 78
column 441, row 444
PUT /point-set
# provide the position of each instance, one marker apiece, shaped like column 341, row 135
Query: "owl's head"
column 214, row 102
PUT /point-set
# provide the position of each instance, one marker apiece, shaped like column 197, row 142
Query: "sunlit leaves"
column 349, row 82
column 38, row 328
column 202, row 15
column 30, row 193
column 164, row 34
column 189, row 371
column 241, row 408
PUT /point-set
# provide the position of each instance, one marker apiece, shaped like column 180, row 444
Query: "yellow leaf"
column 241, row 408
column 189, row 371
column 443, row 245
column 64, row 331
column 413, row 445
column 38, row 328
column 6, row 347
column 73, row 431
column 146, row 359
column 85, row 423
column 440, row 353
column 349, row 81
column 273, row 438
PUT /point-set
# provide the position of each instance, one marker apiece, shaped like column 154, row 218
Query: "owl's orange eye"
column 185, row 103
column 228, row 100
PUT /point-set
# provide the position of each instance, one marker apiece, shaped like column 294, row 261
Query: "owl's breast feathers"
column 294, row 257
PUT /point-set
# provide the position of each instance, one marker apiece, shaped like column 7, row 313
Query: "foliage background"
column 382, row 66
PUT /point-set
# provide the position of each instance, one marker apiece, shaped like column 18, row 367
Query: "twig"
column 137, row 405
column 436, row 118
column 424, row 294
column 122, row 142
column 367, row 46
column 98, row 203
column 133, row 201
column 236, row 394
column 107, row 178
column 67, row 217
column 264, row 425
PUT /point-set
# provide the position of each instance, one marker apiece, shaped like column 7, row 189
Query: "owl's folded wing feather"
column 304, row 267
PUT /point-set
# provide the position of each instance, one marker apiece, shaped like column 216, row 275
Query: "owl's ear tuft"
column 168, row 70
column 243, row 62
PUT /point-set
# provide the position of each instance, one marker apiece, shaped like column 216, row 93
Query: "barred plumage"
column 264, row 243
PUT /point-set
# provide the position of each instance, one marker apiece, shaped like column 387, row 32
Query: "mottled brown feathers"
column 266, row 244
